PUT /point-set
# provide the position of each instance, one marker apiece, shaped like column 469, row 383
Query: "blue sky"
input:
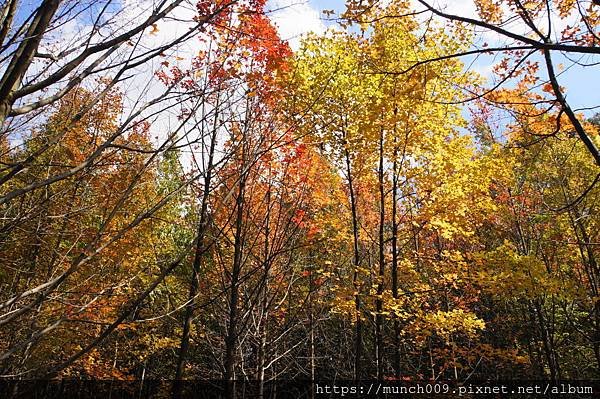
column 582, row 84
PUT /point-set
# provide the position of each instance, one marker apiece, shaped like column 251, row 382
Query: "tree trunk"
column 23, row 55
column 380, row 284
column 264, row 316
column 231, row 338
column 395, row 262
column 196, row 265
column 356, row 262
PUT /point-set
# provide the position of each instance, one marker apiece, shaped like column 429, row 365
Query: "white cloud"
column 293, row 18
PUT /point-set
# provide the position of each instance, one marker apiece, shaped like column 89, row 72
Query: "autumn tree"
column 86, row 211
column 372, row 126
column 530, row 37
